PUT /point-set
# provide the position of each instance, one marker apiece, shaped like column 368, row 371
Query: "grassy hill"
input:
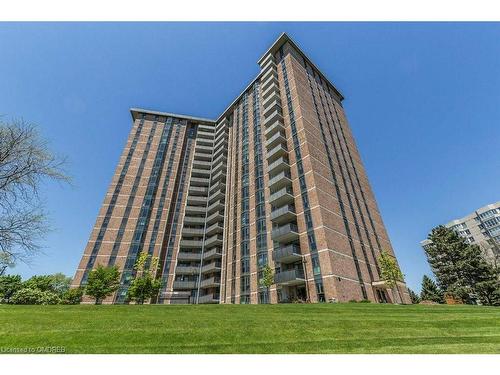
column 293, row 328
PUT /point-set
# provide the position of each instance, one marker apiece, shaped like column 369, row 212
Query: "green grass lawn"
column 293, row 328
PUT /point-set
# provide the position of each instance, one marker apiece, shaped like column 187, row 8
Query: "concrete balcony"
column 221, row 167
column 285, row 233
column 198, row 190
column 276, row 139
column 198, row 232
column 216, row 195
column 187, row 270
column 274, row 128
column 271, row 80
column 221, row 143
column 281, row 180
column 196, row 200
column 214, row 241
column 198, row 181
column 209, row 298
column 194, row 220
column 270, row 91
column 191, row 244
column 206, row 128
column 220, row 185
column 291, row 277
column 216, row 206
column 287, row 254
column 273, row 116
column 215, row 217
column 196, row 210
column 204, row 134
column 271, row 98
column 268, row 74
column 276, row 152
column 220, row 158
column 269, row 58
column 203, row 173
column 183, row 255
column 219, row 176
column 214, row 229
column 211, row 267
column 185, row 285
column 284, row 214
column 212, row 254
column 205, row 142
column 204, row 149
column 200, row 164
column 279, row 165
column 202, row 156
column 212, row 282
column 272, row 105
column 282, row 196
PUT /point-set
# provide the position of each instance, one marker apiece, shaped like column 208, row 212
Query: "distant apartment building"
column 482, row 227
column 276, row 180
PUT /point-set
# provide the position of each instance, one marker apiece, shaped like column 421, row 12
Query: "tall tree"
column 26, row 162
column 9, row 285
column 430, row 291
column 459, row 267
column 145, row 285
column 390, row 272
column 102, row 282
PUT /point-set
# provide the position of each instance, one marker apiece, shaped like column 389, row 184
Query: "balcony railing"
column 281, row 196
column 290, row 277
column 182, row 255
column 287, row 254
column 214, row 240
column 212, row 282
column 209, row 298
column 212, row 254
column 184, row 284
column 211, row 267
column 194, row 244
column 281, row 180
column 276, row 152
column 285, row 233
column 186, row 270
column 278, row 165
column 283, row 214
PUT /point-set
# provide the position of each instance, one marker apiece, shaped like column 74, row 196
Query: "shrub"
column 365, row 301
column 73, row 296
column 28, row 296
column 8, row 286
column 353, row 301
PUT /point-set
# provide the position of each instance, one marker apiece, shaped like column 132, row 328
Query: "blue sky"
column 423, row 100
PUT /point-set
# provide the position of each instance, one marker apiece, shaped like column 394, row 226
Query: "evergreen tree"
column 430, row 291
column 413, row 296
column 459, row 267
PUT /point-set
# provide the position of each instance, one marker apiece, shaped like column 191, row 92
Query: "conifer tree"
column 430, row 291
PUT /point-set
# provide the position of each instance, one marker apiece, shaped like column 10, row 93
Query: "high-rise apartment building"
column 276, row 180
column 482, row 228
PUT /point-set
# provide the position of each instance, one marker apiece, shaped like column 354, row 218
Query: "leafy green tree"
column 60, row 283
column 267, row 279
column 488, row 289
column 415, row 299
column 102, row 282
column 40, row 282
column 459, row 267
column 30, row 296
column 430, row 291
column 144, row 285
column 72, row 296
column 390, row 272
column 9, row 285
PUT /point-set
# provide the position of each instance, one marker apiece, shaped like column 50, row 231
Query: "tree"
column 415, row 299
column 430, row 291
column 459, row 267
column 390, row 272
column 60, row 283
column 73, row 296
column 9, row 285
column 488, row 289
column 267, row 279
column 144, row 286
column 30, row 296
column 6, row 261
column 26, row 162
column 102, row 282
